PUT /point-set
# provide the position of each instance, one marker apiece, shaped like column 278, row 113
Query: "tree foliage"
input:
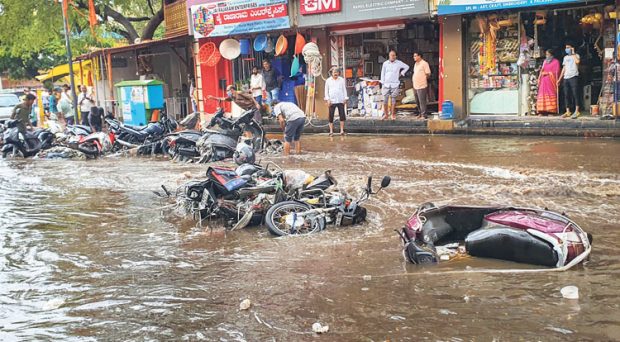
column 32, row 35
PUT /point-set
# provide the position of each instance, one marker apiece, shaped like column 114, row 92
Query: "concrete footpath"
column 479, row 125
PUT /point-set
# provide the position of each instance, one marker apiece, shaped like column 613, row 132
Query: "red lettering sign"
column 309, row 7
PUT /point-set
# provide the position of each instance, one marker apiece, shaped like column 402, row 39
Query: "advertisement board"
column 357, row 11
column 447, row 7
column 225, row 18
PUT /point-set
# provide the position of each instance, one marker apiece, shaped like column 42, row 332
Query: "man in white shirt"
column 421, row 73
column 85, row 101
column 257, row 86
column 292, row 120
column 570, row 74
column 335, row 96
column 391, row 72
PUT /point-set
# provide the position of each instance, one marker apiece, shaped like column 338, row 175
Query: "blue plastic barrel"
column 447, row 110
column 244, row 46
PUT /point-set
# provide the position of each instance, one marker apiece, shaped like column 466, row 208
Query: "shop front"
column 231, row 38
column 513, row 54
column 360, row 35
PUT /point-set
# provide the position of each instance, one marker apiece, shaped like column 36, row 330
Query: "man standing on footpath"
column 21, row 113
column 272, row 82
column 390, row 83
column 85, row 101
column 421, row 74
column 335, row 96
column 292, row 120
column 257, row 86
column 570, row 74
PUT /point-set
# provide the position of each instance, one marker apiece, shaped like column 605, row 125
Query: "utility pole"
column 70, row 61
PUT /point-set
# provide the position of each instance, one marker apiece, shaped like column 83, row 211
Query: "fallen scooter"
column 523, row 235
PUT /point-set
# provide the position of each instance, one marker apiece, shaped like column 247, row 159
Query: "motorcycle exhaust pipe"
column 126, row 144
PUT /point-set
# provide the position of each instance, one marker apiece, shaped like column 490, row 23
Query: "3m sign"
column 309, row 7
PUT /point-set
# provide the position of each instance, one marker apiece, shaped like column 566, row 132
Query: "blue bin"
column 244, row 45
column 447, row 110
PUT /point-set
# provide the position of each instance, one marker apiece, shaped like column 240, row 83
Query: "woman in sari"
column 547, row 101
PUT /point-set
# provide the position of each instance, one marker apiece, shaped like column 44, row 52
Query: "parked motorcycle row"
column 288, row 202
column 238, row 138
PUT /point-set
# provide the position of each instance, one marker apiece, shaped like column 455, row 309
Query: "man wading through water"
column 292, row 120
column 21, row 113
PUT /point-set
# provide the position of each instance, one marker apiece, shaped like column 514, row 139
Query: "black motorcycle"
column 148, row 138
column 25, row 145
column 224, row 143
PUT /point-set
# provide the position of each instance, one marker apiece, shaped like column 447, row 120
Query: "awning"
column 125, row 48
column 60, row 71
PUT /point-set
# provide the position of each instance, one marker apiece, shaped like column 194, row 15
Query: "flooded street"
column 86, row 254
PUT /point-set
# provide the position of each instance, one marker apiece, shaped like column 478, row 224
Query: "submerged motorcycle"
column 182, row 145
column 238, row 196
column 25, row 145
column 316, row 208
column 522, row 235
column 95, row 144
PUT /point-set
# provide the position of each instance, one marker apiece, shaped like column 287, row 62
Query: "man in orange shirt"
column 421, row 73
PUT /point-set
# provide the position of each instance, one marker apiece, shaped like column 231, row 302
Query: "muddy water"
column 85, row 253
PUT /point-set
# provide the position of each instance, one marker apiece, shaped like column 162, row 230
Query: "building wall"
column 453, row 74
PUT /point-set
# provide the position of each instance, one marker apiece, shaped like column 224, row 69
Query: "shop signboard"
column 309, row 7
column 225, row 18
column 358, row 11
column 447, row 7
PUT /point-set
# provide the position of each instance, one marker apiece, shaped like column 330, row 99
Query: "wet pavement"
column 86, row 254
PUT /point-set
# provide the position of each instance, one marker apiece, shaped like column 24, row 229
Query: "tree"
column 31, row 31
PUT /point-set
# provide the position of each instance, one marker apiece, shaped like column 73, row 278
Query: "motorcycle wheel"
column 89, row 150
column 276, row 219
column 15, row 152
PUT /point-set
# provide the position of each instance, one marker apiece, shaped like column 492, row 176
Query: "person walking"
column 95, row 118
column 391, row 71
column 547, row 99
column 570, row 75
column 257, row 85
column 55, row 114
column 66, row 108
column 35, row 108
column 272, row 82
column 85, row 101
column 335, row 97
column 292, row 121
column 21, row 113
column 421, row 74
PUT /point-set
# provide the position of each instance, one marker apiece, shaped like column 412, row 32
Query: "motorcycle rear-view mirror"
column 369, row 185
column 385, row 182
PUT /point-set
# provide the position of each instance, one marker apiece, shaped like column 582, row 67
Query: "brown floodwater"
column 86, row 252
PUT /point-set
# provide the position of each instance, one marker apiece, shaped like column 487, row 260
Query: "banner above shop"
column 447, row 7
column 356, row 11
column 225, row 18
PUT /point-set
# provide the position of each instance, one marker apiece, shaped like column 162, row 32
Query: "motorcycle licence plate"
column 339, row 217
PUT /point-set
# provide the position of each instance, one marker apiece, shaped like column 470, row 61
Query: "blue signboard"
column 225, row 18
column 447, row 7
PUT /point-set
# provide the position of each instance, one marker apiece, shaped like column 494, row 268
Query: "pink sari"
column 547, row 101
